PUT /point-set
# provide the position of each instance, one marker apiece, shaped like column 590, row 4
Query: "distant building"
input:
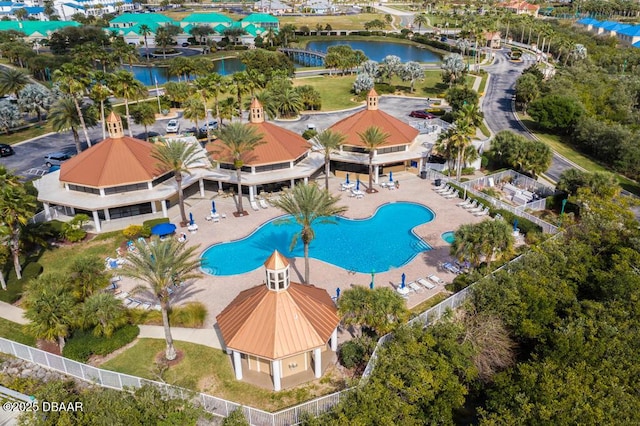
column 280, row 329
column 520, row 7
column 493, row 40
column 36, row 30
column 627, row 34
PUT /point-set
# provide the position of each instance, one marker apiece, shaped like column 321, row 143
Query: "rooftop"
column 206, row 18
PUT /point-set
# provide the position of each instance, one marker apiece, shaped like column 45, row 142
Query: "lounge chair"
column 448, row 266
column 254, row 206
column 477, row 209
column 465, row 202
column 449, row 192
column 435, row 279
column 423, row 282
column 473, row 205
column 441, row 189
column 415, row 287
column 263, row 204
column 483, row 212
column 456, row 194
column 122, row 295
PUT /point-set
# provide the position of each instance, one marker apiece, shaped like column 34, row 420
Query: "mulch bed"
column 160, row 358
column 48, row 346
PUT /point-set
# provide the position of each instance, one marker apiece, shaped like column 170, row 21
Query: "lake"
column 377, row 50
column 147, row 75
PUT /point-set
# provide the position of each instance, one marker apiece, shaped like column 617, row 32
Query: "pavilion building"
column 283, row 159
column 116, row 178
column 401, row 152
column 280, row 329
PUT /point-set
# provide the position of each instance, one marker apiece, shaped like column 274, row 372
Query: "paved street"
column 497, row 105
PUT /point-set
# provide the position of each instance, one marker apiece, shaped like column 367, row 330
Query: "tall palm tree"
column 194, row 109
column 49, row 307
column 159, row 265
column 124, row 85
column 218, row 85
column 63, row 116
column 240, row 80
column 12, row 81
column 330, row 141
column 145, row 31
column 16, row 208
column 205, row 87
column 144, row 114
column 240, row 140
column 308, row 205
column 73, row 80
column 420, row 19
column 180, row 157
column 372, row 138
column 100, row 93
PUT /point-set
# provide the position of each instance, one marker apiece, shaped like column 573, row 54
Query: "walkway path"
column 12, row 313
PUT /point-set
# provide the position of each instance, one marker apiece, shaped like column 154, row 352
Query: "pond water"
column 377, row 50
column 148, row 75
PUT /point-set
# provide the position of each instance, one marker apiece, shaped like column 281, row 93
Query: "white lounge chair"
column 477, row 209
column 435, row 279
column 263, row 204
column 415, row 287
column 441, row 188
column 254, row 206
column 473, row 205
column 426, row 284
column 465, row 202
column 483, row 212
column 449, row 192
column 122, row 295
column 455, row 194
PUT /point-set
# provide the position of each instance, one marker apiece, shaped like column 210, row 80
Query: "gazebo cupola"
column 277, row 272
column 256, row 112
column 114, row 126
column 372, row 100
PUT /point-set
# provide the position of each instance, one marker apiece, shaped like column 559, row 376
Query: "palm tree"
column 12, row 81
column 329, row 141
column 145, row 31
column 459, row 139
column 104, row 313
column 372, row 138
column 164, row 38
column 218, row 86
column 86, row 276
column 288, row 103
column 240, row 140
column 63, row 116
column 205, row 87
column 240, row 80
column 194, row 109
column 124, row 85
column 420, row 19
column 159, row 265
column 308, row 205
column 73, row 81
column 49, row 307
column 488, row 239
column 100, row 93
column 179, row 157
column 144, row 114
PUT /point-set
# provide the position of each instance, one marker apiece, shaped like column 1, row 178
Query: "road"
column 498, row 104
column 403, row 18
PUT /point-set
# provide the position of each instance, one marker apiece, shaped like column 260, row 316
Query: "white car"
column 173, row 126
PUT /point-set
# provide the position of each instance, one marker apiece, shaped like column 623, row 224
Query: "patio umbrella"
column 347, row 181
column 213, row 207
column 404, row 277
column 163, row 229
column 338, row 293
column 191, row 218
column 390, row 176
column 358, row 185
column 515, row 225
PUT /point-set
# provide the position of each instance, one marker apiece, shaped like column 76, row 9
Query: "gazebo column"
column 252, row 192
column 107, row 216
column 317, row 362
column 96, row 221
column 47, row 211
column 275, row 373
column 219, row 185
column 154, row 209
column 237, row 364
column 201, row 183
column 334, row 340
column 163, row 203
column 420, row 164
column 293, row 183
column 376, row 172
column 306, row 180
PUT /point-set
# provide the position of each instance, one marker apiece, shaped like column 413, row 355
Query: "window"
column 387, row 150
column 86, row 189
column 162, row 178
column 126, row 188
column 269, row 167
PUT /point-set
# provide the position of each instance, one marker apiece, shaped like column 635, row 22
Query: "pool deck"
column 216, row 292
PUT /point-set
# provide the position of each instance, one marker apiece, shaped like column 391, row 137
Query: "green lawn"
column 102, row 247
column 337, row 22
column 22, row 135
column 13, row 331
column 214, row 376
column 563, row 148
column 429, row 303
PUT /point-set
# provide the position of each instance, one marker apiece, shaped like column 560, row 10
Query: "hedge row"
column 83, row 344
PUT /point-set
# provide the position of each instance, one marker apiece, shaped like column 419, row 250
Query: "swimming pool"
column 449, row 237
column 379, row 243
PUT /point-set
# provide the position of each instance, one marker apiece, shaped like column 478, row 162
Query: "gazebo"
column 279, row 328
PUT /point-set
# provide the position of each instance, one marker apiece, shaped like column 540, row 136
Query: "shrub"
column 15, row 285
column 55, row 228
column 525, row 225
column 153, row 222
column 383, row 88
column 73, row 235
column 83, row 344
column 355, row 353
column 309, row 133
column 133, row 231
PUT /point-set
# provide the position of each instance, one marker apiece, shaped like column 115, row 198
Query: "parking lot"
column 29, row 156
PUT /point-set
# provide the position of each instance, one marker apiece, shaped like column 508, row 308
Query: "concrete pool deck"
column 216, row 292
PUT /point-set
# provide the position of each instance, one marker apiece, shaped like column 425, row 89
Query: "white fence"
column 217, row 406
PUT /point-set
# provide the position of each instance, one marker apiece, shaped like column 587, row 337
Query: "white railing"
column 216, row 406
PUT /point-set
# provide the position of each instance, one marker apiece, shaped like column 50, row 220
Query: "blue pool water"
column 449, row 237
column 377, row 50
column 379, row 243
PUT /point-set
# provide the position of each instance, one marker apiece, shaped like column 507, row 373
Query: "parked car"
column 6, row 150
column 213, row 125
column 185, row 44
column 421, row 114
column 56, row 158
column 173, row 126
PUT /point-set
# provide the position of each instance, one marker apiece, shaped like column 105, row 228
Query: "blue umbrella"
column 213, row 207
column 404, row 277
column 190, row 218
column 358, row 185
column 515, row 225
column 390, row 176
column 338, row 293
column 163, row 229
column 347, row 182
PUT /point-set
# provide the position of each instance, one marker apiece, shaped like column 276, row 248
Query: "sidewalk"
column 12, row 313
